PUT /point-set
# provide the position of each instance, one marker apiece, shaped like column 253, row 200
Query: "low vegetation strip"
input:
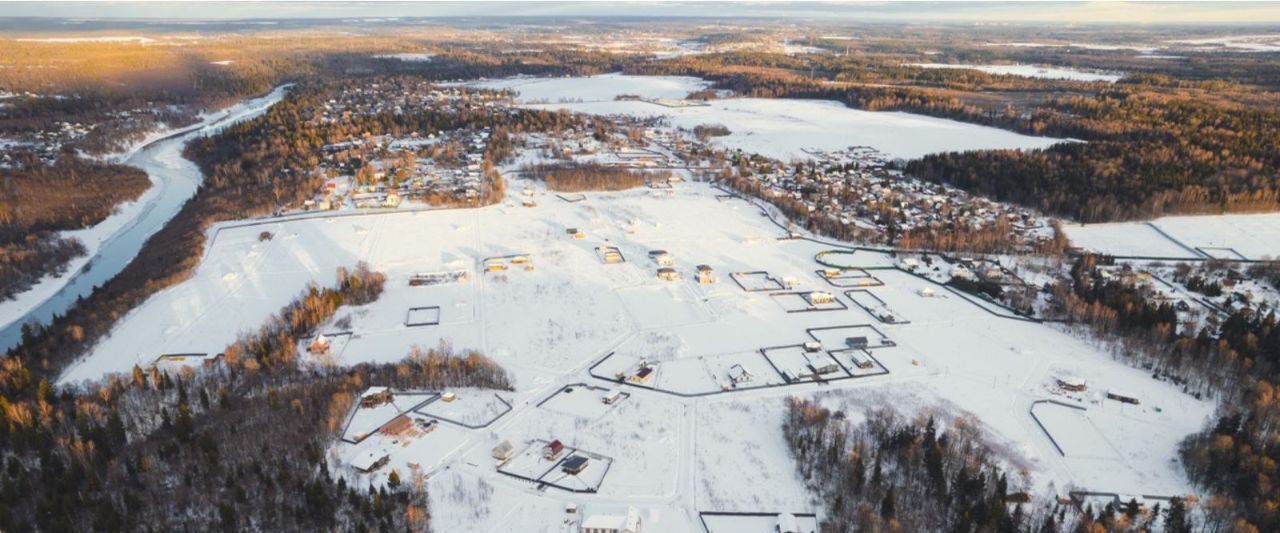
column 579, row 177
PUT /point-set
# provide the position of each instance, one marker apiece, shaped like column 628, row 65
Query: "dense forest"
column 885, row 473
column 239, row 445
column 37, row 200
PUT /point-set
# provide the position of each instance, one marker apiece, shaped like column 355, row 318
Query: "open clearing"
column 780, row 128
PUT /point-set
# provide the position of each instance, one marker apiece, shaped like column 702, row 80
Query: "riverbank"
column 112, row 243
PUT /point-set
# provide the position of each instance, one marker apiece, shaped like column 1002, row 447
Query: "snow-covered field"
column 1031, row 71
column 775, row 127
column 1251, row 236
column 670, row 456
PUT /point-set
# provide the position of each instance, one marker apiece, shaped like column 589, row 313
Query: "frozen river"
column 119, row 238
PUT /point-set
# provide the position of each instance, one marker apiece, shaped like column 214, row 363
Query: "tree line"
column 589, row 176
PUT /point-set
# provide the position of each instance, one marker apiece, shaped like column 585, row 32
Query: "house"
column 610, row 255
column 739, row 374
column 528, row 202
column 611, row 397
column 1123, row 397
column 427, row 425
column 861, row 359
column 552, row 450
column 574, row 465
column 830, row 272
column 1071, row 383
column 822, row 365
column 927, row 292
column 574, row 233
column 820, row 297
column 370, row 460
column 375, row 396
column 613, row 523
column 661, row 257
column 503, row 451
column 705, row 275
column 643, row 375
column 448, row 396
column 859, row 342
column 397, row 426
column 494, row 265
column 668, row 274
column 319, row 346
column 813, row 346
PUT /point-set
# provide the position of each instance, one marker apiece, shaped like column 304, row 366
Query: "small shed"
column 821, row 297
column 1122, row 396
column 787, row 524
column 370, row 460
column 859, row 342
column 739, row 374
column 503, row 451
column 611, row 397
column 668, row 274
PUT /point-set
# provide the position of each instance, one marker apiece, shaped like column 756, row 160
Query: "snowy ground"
column 670, row 456
column 1251, row 236
column 1031, row 71
column 779, row 128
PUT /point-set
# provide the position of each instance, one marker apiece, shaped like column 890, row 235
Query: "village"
column 652, row 351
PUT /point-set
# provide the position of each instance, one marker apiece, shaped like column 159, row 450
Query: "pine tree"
column 393, row 480
column 184, row 426
column 1177, row 521
column 888, row 506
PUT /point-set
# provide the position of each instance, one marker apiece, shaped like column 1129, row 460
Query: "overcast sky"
column 968, row 12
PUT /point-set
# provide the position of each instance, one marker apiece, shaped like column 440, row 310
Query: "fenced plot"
column 799, row 364
column 365, row 421
column 874, row 306
column 806, row 302
column 1218, row 252
column 715, row 373
column 422, row 316
column 572, row 198
column 849, row 277
column 757, row 281
column 864, row 336
column 561, row 471
column 859, row 362
column 583, row 401
column 1072, row 432
column 471, row 409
